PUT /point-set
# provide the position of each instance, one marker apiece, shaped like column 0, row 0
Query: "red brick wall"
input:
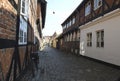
column 7, row 20
column 5, row 59
column 7, row 31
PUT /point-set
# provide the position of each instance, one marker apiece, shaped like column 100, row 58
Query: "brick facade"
column 7, row 20
column 14, row 58
column 79, row 18
column 7, row 31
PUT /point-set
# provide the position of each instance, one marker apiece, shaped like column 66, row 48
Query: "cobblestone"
column 55, row 65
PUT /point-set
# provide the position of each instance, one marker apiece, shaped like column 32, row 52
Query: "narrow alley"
column 55, row 65
column 59, row 40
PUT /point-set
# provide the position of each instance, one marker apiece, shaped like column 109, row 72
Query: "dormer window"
column 87, row 8
column 97, row 4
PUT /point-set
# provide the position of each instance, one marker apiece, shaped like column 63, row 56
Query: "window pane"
column 23, row 10
column 73, row 20
column 102, row 44
column 102, row 35
column 25, row 37
column 23, row 6
column 95, row 4
column 87, row 9
column 100, row 38
column 21, row 39
column 99, row 3
column 90, row 43
column 97, row 43
column 89, row 39
column 97, row 36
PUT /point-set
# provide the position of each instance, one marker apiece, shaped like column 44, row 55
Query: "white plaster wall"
column 111, row 51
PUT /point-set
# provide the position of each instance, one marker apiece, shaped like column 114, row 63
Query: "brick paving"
column 55, row 65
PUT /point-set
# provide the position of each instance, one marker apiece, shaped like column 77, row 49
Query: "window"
column 21, row 35
column 97, row 4
column 70, row 22
column 100, row 38
column 23, row 6
column 87, row 8
column 23, row 31
column 89, row 39
column 73, row 21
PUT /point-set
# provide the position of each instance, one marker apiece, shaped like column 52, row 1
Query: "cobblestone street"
column 55, row 65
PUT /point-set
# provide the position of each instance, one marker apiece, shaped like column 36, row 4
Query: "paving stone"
column 55, row 65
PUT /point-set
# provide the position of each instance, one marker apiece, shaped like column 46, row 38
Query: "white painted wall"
column 111, row 51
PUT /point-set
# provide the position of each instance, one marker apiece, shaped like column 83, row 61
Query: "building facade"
column 70, row 38
column 54, row 40
column 18, row 20
column 98, row 24
column 99, row 35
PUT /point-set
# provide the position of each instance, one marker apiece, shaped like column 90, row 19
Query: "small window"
column 73, row 20
column 89, row 39
column 70, row 23
column 23, row 6
column 97, row 4
column 87, row 8
column 100, row 38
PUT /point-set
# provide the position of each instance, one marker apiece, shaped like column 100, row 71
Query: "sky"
column 56, row 13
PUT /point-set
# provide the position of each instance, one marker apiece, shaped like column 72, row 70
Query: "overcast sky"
column 62, row 9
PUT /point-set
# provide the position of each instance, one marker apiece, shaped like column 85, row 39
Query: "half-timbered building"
column 100, row 29
column 93, row 28
column 19, row 19
column 69, row 40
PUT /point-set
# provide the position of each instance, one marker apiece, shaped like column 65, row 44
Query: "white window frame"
column 22, row 31
column 88, row 8
column 100, row 38
column 24, row 7
column 89, row 39
column 97, row 4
